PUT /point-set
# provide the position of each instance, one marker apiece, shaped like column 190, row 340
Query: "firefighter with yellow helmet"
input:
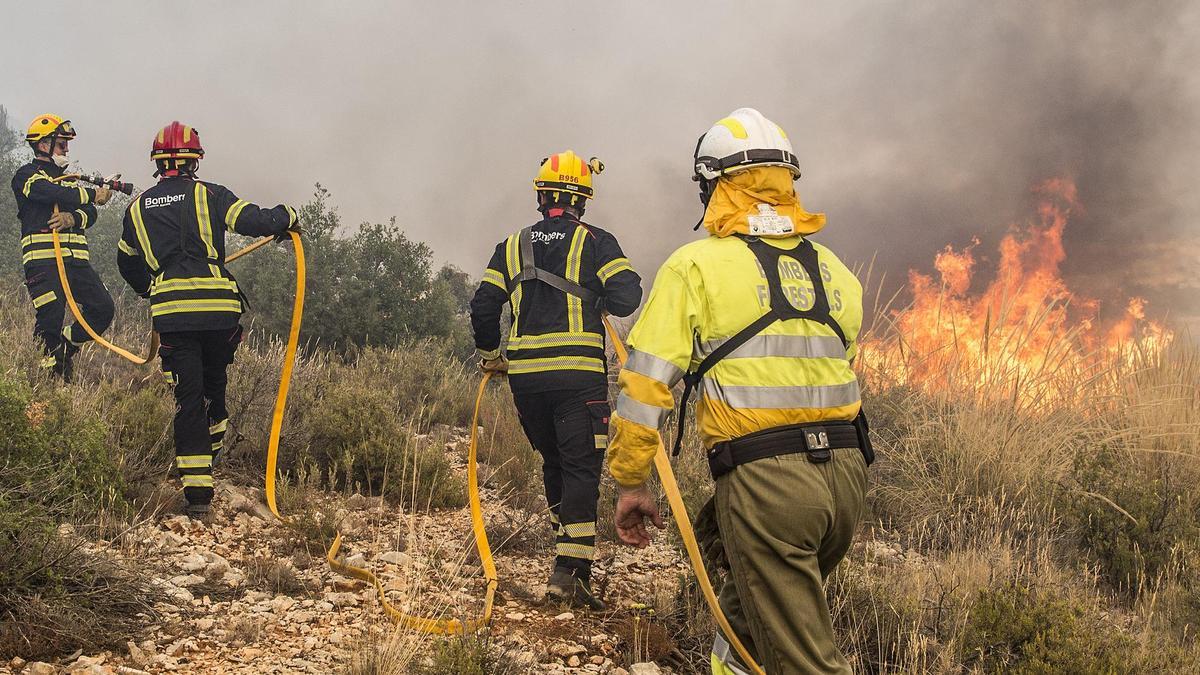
column 46, row 203
column 762, row 323
column 559, row 276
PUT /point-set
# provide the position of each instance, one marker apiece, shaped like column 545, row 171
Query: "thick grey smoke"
column 917, row 124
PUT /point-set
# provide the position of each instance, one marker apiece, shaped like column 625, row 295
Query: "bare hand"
column 103, row 194
column 633, row 508
column 63, row 220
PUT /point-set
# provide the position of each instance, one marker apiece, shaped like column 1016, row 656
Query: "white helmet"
column 743, row 139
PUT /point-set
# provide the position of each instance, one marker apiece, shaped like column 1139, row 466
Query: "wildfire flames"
column 1026, row 332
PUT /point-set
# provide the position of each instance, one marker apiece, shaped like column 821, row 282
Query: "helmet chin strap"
column 705, row 195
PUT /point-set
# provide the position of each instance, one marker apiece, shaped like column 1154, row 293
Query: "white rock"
column 193, row 562
column 343, row 599
column 574, row 661
column 567, row 650
column 396, row 558
column 17, row 663
column 324, row 606
column 356, row 560
column 282, row 603
column 515, row 616
column 187, row 580
column 204, row 624
column 565, row 616
column 169, row 540
column 645, row 668
column 136, row 654
column 39, row 668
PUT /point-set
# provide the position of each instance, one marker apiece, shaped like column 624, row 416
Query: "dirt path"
column 247, row 594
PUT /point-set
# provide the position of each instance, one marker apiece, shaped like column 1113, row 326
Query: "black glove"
column 285, row 236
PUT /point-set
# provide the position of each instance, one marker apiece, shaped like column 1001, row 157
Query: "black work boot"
column 200, row 512
column 63, row 355
column 572, row 589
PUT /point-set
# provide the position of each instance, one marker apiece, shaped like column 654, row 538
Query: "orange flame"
column 1026, row 334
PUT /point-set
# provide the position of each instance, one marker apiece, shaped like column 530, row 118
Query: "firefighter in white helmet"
column 762, row 322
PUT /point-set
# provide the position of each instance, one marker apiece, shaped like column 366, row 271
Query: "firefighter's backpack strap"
column 529, row 271
column 781, row 309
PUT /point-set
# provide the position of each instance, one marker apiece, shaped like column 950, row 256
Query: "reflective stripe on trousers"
column 724, row 658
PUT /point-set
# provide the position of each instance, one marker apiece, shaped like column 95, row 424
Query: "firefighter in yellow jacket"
column 762, row 322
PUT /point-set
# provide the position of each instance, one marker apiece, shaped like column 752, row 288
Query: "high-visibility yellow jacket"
column 795, row 371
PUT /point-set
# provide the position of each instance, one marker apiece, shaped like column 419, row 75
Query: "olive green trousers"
column 784, row 523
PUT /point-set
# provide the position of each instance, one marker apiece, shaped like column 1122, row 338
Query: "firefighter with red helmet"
column 46, row 203
column 172, row 251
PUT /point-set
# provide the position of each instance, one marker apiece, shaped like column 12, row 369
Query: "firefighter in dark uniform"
column 37, row 195
column 172, row 251
column 559, row 276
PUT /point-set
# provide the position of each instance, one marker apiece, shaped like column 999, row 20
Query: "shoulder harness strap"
column 780, row 310
column 530, row 272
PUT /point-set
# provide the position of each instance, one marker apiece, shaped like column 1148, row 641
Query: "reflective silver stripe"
column 491, row 276
column 139, row 229
column 556, row 340
column 63, row 238
column 44, row 298
column 32, row 179
column 794, row 346
column 232, row 214
column 83, row 218
column 575, row 550
column 579, row 530
column 644, row 414
column 653, row 367
column 613, row 267
column 126, row 248
column 489, row 355
column 197, row 481
column 48, row 254
column 783, row 398
column 522, row 366
column 723, row 652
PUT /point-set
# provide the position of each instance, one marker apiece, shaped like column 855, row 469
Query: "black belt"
column 817, row 440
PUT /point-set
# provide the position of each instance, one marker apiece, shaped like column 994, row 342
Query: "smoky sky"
column 917, row 124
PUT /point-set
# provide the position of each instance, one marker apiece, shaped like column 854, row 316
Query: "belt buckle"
column 816, row 442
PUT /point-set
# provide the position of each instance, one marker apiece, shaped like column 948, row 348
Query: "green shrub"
column 462, row 655
column 1138, row 515
column 1021, row 629
column 56, row 596
column 360, row 437
column 47, row 433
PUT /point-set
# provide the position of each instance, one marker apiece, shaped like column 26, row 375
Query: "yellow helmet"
column 566, row 174
column 44, row 126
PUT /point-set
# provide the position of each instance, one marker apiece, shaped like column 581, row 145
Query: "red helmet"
column 177, row 141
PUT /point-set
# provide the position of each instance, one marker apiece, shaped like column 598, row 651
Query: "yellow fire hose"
column 665, row 475
column 428, row 625
column 453, row 626
column 442, row 626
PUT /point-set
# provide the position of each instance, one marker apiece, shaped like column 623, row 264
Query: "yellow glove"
column 103, row 194
column 63, row 220
column 499, row 366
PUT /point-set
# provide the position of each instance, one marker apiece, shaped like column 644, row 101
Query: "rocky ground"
column 249, row 594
